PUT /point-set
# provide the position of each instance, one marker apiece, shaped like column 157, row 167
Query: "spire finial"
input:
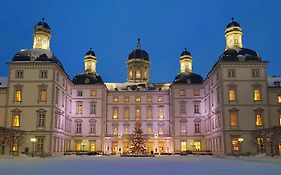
column 43, row 19
column 90, row 49
column 138, row 45
column 232, row 19
column 184, row 49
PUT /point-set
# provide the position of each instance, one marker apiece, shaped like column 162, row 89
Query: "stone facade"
column 236, row 98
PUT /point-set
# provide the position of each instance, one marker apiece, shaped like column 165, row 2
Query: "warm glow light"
column 18, row 95
column 259, row 120
column 232, row 95
column 233, row 119
column 149, row 114
column 33, row 139
column 240, row 139
column 279, row 99
column 161, row 114
column 235, row 144
column 138, row 99
column 257, row 96
column 43, row 95
column 16, row 120
column 183, row 146
column 79, row 109
column 115, row 114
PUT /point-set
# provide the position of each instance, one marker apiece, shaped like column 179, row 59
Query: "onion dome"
column 42, row 26
column 233, row 26
column 36, row 55
column 188, row 78
column 240, row 54
column 139, row 53
column 185, row 53
column 87, row 78
column 90, row 53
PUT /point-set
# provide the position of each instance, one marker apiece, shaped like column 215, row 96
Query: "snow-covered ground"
column 162, row 165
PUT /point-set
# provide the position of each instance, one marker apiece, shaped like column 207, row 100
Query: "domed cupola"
column 90, row 61
column 186, row 76
column 89, row 76
column 185, row 61
column 41, row 35
column 138, row 65
column 233, row 35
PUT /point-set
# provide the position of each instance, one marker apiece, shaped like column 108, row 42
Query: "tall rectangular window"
column 43, row 94
column 115, row 130
column 18, row 95
column 149, row 130
column 232, row 95
column 78, row 128
column 255, row 73
column 19, row 74
column 257, row 95
column 41, row 119
column 231, row 73
column 57, row 95
column 115, row 99
column 93, row 108
column 197, row 127
column 160, row 130
column 183, row 146
column 63, row 99
column 138, row 113
column 259, row 120
column 149, row 99
column 149, row 113
column 92, row 128
column 183, row 107
column 79, row 109
column 234, row 144
column 79, row 93
column 126, row 113
column 115, row 113
column 182, row 128
column 279, row 119
column 233, row 118
column 16, row 120
column 43, row 74
column 279, row 99
column 196, row 109
column 40, row 144
column 126, row 129
column 161, row 114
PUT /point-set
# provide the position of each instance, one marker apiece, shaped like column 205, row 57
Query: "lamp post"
column 192, row 145
column 33, row 140
column 240, row 140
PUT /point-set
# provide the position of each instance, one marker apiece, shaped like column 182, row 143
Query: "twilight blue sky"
column 165, row 27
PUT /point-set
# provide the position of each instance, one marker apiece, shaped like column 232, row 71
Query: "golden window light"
column 149, row 114
column 16, row 120
column 138, row 99
column 115, row 114
column 279, row 99
column 232, row 95
column 233, row 119
column 257, row 95
column 43, row 95
column 259, row 120
column 161, row 114
column 183, row 146
column 93, row 147
column 115, row 99
column 18, row 95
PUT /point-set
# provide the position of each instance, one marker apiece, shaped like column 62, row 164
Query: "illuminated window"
column 160, row 130
column 138, row 99
column 234, row 144
column 182, row 92
column 160, row 100
column 16, row 120
column 18, row 95
column 149, row 99
column 115, row 99
column 78, row 146
column 196, row 92
column 233, row 119
column 93, row 93
column 115, row 113
column 78, row 128
column 149, row 113
column 15, row 146
column 279, row 99
column 259, row 120
column 138, row 113
column 93, row 146
column 126, row 113
column 131, row 74
column 126, row 130
column 232, row 95
column 79, row 109
column 40, row 144
column 145, row 75
column 197, row 145
column 149, row 130
column 126, row 99
column 257, row 95
column 183, row 145
column 138, row 74
column 161, row 114
column 43, row 95
column 115, row 130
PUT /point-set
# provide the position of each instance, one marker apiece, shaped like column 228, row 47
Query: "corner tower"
column 41, row 35
column 185, row 62
column 233, row 35
column 138, row 65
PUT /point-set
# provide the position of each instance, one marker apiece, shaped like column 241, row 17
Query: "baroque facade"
column 86, row 114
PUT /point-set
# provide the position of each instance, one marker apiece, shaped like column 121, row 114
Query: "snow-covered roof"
column 3, row 81
column 274, row 81
column 137, row 86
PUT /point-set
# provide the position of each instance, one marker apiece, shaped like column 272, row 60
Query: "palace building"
column 190, row 113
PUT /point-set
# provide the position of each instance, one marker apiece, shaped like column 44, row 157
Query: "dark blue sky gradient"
column 165, row 27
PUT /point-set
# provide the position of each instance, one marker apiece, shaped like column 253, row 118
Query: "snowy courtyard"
column 162, row 165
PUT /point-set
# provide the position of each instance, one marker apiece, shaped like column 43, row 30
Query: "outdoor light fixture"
column 33, row 140
column 119, row 136
column 240, row 140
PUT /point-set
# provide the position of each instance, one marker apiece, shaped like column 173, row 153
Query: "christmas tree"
column 138, row 146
